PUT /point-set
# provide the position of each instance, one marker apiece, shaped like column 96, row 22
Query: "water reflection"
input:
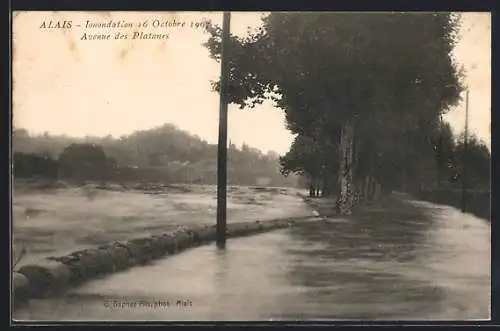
column 220, row 275
column 433, row 264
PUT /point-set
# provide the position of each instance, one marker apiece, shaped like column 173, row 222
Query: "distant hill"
column 186, row 157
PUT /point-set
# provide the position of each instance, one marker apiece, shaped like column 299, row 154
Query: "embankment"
column 325, row 207
column 478, row 203
column 55, row 274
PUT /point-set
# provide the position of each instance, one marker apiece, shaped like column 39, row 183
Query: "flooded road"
column 406, row 266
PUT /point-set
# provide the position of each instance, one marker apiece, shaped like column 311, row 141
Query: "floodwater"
column 60, row 221
column 434, row 268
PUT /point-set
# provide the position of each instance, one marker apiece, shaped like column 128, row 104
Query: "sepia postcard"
column 251, row 166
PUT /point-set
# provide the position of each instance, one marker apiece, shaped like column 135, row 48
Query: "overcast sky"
column 65, row 85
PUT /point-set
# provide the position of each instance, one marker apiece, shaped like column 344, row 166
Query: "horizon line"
column 35, row 134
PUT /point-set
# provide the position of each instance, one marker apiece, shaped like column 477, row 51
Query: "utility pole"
column 464, row 154
column 222, row 142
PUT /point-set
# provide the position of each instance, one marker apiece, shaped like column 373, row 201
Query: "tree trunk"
column 314, row 188
column 311, row 187
column 438, row 175
column 378, row 191
column 332, row 184
column 324, row 185
column 345, row 199
column 404, row 187
column 366, row 189
column 371, row 188
column 359, row 191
